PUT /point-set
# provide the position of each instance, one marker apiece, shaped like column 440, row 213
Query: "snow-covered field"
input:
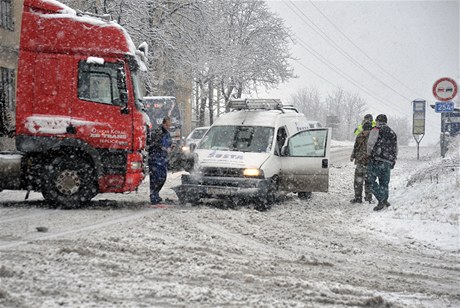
column 324, row 252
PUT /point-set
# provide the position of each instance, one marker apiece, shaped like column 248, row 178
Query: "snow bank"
column 424, row 197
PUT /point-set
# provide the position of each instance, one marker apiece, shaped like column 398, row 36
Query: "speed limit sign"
column 445, row 89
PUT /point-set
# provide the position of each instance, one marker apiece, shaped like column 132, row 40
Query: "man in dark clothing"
column 382, row 148
column 359, row 155
column 159, row 147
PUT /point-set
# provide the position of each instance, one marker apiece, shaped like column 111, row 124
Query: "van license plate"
column 220, row 191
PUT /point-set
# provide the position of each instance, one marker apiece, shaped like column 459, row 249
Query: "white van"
column 258, row 151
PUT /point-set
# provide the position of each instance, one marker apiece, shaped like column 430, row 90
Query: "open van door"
column 305, row 161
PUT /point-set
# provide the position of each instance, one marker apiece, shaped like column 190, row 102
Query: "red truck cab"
column 79, row 118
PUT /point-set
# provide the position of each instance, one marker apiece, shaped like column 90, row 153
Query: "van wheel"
column 188, row 164
column 304, row 195
column 185, row 198
column 264, row 203
column 69, row 183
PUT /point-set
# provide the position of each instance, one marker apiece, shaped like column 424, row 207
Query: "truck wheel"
column 69, row 183
column 304, row 195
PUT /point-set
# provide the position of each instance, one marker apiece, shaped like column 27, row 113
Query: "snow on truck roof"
column 50, row 6
column 70, row 31
column 158, row 97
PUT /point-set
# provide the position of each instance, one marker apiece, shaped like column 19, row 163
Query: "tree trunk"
column 211, row 101
column 202, row 110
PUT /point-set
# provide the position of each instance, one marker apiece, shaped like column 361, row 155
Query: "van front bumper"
column 218, row 187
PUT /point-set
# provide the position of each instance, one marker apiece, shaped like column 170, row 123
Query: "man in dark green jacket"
column 360, row 157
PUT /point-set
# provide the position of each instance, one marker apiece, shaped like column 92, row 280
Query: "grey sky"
column 415, row 42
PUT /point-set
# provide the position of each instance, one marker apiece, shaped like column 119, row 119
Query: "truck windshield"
column 256, row 139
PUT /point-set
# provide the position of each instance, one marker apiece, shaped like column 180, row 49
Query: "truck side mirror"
column 121, row 79
column 192, row 147
column 121, row 85
column 124, row 97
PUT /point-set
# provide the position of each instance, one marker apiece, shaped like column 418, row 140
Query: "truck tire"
column 69, row 183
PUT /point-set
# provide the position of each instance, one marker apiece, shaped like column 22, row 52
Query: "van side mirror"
column 192, row 147
column 285, row 150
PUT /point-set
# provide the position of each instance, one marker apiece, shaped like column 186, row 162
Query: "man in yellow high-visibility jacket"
column 368, row 118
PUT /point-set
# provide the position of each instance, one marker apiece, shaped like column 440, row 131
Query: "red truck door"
column 101, row 115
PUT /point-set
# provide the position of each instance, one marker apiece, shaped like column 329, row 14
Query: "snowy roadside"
column 425, row 203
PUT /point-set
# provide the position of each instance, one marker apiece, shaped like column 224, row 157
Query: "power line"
column 363, row 52
column 337, row 69
column 326, row 37
column 340, row 72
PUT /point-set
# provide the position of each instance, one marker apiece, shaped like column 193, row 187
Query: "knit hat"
column 381, row 118
column 369, row 117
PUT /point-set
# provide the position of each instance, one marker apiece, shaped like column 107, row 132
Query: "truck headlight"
column 253, row 172
column 185, row 149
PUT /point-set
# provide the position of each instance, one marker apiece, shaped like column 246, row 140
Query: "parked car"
column 196, row 135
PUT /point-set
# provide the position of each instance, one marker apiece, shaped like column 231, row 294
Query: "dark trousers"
column 361, row 180
column 380, row 171
column 158, row 172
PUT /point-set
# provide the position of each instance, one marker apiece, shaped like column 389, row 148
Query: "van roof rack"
column 255, row 103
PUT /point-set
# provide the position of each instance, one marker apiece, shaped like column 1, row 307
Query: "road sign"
column 444, row 106
column 445, row 89
column 418, row 122
column 418, row 119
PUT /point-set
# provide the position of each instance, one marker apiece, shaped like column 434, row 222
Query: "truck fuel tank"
column 10, row 170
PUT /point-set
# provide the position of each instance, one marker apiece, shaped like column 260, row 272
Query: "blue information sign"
column 444, row 107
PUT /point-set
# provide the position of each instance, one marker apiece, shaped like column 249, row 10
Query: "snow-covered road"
column 321, row 252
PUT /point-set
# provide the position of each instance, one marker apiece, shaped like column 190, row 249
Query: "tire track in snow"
column 90, row 227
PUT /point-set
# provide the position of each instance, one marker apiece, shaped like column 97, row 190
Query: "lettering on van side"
column 225, row 155
column 300, row 127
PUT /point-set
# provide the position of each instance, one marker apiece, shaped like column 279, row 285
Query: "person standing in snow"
column 159, row 147
column 359, row 155
column 382, row 148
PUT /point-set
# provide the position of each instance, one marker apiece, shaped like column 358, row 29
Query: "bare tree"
column 348, row 107
column 402, row 128
column 308, row 101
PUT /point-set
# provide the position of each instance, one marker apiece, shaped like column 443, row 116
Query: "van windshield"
column 256, row 139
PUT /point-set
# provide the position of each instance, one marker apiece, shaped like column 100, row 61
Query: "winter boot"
column 387, row 204
column 356, row 200
column 379, row 206
column 369, row 200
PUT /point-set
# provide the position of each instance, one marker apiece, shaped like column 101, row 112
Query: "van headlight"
column 253, row 172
